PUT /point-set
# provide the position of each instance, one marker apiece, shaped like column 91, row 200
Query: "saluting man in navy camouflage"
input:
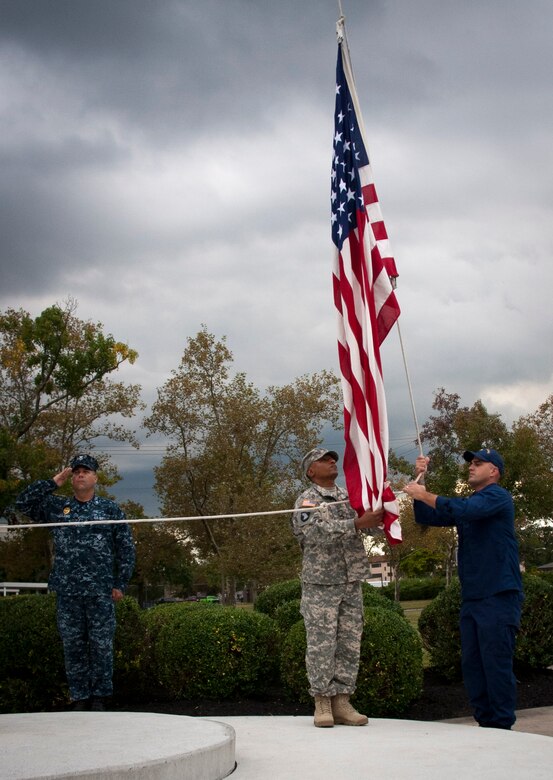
column 92, row 567
column 334, row 565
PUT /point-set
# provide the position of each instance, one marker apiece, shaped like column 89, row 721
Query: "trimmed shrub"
column 373, row 597
column 275, row 595
column 416, row 588
column 130, row 650
column 32, row 673
column 534, row 646
column 214, row 653
column 292, row 664
column 287, row 614
column 439, row 628
column 390, row 673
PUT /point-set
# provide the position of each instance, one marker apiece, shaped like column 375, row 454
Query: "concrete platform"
column 118, row 746
column 149, row 746
column 291, row 748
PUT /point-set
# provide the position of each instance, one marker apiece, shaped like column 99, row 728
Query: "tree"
column 234, row 450
column 55, row 394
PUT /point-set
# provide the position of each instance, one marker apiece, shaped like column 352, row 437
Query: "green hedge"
column 213, row 653
column 416, row 588
column 390, row 674
column 373, row 597
column 439, row 628
column 287, row 614
column 274, row 595
column 32, row 675
column 32, row 672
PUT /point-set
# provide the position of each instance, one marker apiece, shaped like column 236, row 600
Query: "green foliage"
column 56, row 395
column 534, row 646
column 376, row 597
column 32, row 675
column 292, row 664
column 439, row 628
column 130, row 650
column 287, row 614
column 390, row 672
column 547, row 576
column 208, row 651
column 275, row 595
column 416, row 588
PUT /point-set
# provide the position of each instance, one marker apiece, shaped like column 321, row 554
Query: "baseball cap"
column 313, row 455
column 84, row 462
column 489, row 456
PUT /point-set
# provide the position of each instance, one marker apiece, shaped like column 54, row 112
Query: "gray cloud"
column 167, row 164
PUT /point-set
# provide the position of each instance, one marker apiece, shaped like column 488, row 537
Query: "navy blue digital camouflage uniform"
column 89, row 562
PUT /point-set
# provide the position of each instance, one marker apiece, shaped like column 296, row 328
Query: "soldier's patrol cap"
column 489, row 456
column 313, row 455
column 84, row 462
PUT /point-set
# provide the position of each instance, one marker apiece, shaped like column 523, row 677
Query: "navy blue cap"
column 84, row 462
column 487, row 455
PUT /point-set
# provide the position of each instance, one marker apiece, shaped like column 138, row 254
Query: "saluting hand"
column 61, row 478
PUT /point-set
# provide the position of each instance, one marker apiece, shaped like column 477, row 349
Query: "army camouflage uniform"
column 334, row 564
column 89, row 561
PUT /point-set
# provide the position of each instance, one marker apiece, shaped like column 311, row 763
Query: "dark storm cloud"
column 169, row 162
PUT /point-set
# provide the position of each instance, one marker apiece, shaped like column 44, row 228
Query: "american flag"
column 366, row 304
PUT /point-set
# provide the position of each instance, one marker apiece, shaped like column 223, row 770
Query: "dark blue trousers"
column 87, row 626
column 488, row 632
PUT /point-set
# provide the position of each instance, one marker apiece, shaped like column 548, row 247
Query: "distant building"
column 381, row 569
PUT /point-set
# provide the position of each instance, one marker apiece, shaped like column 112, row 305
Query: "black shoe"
column 81, row 705
column 97, row 704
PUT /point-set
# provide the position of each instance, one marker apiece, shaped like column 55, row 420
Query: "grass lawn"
column 412, row 610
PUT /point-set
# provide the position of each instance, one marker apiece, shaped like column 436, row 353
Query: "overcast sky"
column 166, row 163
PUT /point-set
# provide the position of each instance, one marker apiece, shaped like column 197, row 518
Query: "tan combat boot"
column 323, row 712
column 343, row 712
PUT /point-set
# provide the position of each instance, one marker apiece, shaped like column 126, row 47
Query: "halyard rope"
column 226, row 515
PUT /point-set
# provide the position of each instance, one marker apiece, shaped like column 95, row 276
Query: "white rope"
column 74, row 524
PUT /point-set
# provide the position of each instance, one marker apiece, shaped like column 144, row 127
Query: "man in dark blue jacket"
column 491, row 584
column 92, row 567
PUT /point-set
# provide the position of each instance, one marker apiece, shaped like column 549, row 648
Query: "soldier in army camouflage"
column 92, row 567
column 334, row 564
